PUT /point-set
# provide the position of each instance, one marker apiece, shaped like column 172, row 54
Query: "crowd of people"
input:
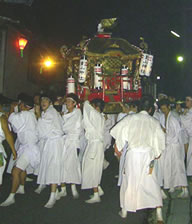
column 64, row 142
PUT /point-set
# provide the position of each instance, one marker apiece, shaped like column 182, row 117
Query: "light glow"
column 180, row 58
column 22, row 43
column 175, row 34
column 48, row 63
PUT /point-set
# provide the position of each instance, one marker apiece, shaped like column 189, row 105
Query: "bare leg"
column 53, row 187
column 16, row 173
column 95, row 189
column 23, row 177
column 21, row 189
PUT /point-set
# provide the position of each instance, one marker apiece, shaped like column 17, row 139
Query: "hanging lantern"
column 82, row 70
column 98, row 84
column 124, row 74
column 22, row 44
column 70, row 85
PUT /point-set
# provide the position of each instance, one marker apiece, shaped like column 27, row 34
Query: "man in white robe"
column 24, row 124
column 50, row 133
column 5, row 134
column 139, row 141
column 92, row 165
column 72, row 127
column 173, row 169
column 109, row 123
column 186, row 120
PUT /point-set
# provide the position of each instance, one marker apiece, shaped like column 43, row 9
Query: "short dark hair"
column 74, row 97
column 98, row 103
column 133, row 103
column 165, row 102
column 28, row 101
column 146, row 103
column 48, row 95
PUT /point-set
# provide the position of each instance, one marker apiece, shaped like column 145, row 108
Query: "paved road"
column 29, row 209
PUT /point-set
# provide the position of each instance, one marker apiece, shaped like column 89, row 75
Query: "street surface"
column 29, row 209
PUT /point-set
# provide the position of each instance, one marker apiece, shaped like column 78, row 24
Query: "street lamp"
column 47, row 63
column 180, row 58
column 158, row 77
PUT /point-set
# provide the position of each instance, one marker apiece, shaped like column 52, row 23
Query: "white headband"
column 45, row 97
column 71, row 99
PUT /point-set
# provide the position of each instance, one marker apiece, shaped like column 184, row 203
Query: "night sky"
column 58, row 22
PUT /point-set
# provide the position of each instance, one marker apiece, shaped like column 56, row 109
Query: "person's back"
column 140, row 130
column 139, row 140
column 24, row 124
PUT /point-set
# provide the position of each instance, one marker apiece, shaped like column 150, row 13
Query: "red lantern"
column 22, row 44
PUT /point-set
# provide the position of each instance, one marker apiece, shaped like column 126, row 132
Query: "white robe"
column 146, row 141
column 186, row 121
column 109, row 123
column 121, row 116
column 92, row 165
column 72, row 127
column 173, row 167
column 50, row 132
column 2, row 138
column 24, row 124
column 157, row 114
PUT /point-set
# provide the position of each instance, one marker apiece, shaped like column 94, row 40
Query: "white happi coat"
column 24, row 124
column 50, row 132
column 144, row 141
column 92, row 165
column 109, row 123
column 2, row 138
column 72, row 127
column 186, row 121
column 183, row 139
column 157, row 114
column 173, row 167
column 121, row 116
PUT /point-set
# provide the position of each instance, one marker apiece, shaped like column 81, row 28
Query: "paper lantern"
column 22, row 44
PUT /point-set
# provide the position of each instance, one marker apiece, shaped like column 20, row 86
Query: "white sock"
column 159, row 214
column 164, row 196
column 186, row 192
column 9, row 201
column 63, row 192
column 63, row 189
column 171, row 190
column 52, row 200
column 96, row 198
column 123, row 213
column 74, row 191
column 20, row 190
column 40, row 188
column 100, row 190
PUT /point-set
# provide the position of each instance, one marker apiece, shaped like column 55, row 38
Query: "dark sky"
column 59, row 22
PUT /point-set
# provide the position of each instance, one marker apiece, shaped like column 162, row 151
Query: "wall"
column 16, row 68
